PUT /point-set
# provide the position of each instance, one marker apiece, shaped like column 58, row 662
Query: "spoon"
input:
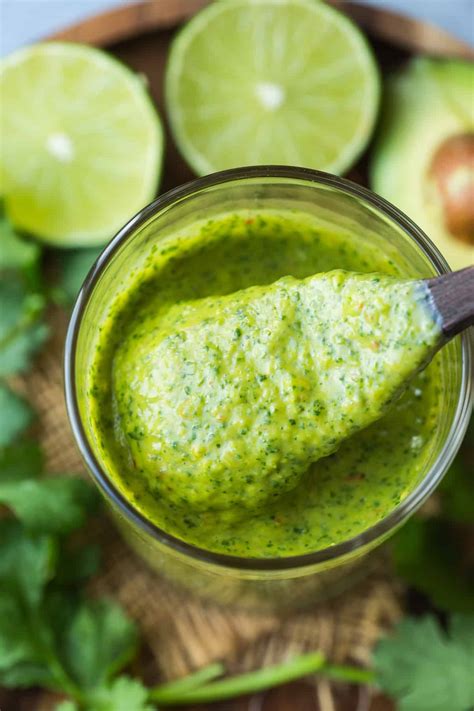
column 453, row 297
column 229, row 399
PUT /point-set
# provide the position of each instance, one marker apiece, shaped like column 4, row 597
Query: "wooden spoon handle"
column 453, row 296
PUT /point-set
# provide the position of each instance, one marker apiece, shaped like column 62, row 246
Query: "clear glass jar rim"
column 325, row 555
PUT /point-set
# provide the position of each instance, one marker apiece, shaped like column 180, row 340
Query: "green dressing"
column 216, row 409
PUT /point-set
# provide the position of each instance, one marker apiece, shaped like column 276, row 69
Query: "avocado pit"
column 452, row 172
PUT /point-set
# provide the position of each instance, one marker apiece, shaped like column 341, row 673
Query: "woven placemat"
column 182, row 632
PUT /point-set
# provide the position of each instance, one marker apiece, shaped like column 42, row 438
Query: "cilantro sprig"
column 15, row 415
column 48, row 505
column 22, row 300
column 427, row 668
column 22, row 331
column 51, row 634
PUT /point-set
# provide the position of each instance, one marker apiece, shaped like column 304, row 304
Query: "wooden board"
column 131, row 21
column 181, row 633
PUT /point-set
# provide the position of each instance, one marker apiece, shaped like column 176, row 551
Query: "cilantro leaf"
column 99, row 641
column 427, row 669
column 15, row 253
column 16, row 643
column 75, row 265
column 428, row 554
column 16, row 355
column 67, row 706
column 24, row 675
column 464, row 635
column 27, row 562
column 457, row 488
column 26, row 565
column 48, row 635
column 76, row 565
column 19, row 460
column 21, row 334
column 51, row 505
column 19, row 306
column 123, row 694
column 15, row 415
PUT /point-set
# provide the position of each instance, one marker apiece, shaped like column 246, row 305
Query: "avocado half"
column 423, row 160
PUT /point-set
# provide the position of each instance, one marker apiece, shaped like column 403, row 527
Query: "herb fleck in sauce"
column 202, row 456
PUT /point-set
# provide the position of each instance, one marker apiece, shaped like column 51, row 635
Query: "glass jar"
column 279, row 582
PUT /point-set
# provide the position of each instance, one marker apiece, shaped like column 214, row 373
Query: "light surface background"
column 25, row 21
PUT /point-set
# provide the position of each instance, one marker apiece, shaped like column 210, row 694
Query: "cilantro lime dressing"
column 211, row 409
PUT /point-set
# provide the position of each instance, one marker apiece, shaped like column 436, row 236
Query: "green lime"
column 81, row 143
column 289, row 82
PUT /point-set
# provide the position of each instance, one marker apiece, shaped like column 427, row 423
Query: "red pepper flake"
column 355, row 477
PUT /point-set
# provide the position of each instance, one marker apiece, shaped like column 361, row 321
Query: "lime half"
column 81, row 143
column 289, row 82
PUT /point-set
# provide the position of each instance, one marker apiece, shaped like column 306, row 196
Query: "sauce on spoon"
column 226, row 401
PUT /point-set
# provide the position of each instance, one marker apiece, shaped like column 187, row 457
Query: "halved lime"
column 289, row 82
column 81, row 143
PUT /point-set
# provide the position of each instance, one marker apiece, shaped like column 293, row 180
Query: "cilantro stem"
column 249, row 683
column 192, row 681
column 27, row 320
column 63, row 680
column 354, row 675
column 40, row 632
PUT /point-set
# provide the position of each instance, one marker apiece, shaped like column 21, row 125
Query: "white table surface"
column 24, row 21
